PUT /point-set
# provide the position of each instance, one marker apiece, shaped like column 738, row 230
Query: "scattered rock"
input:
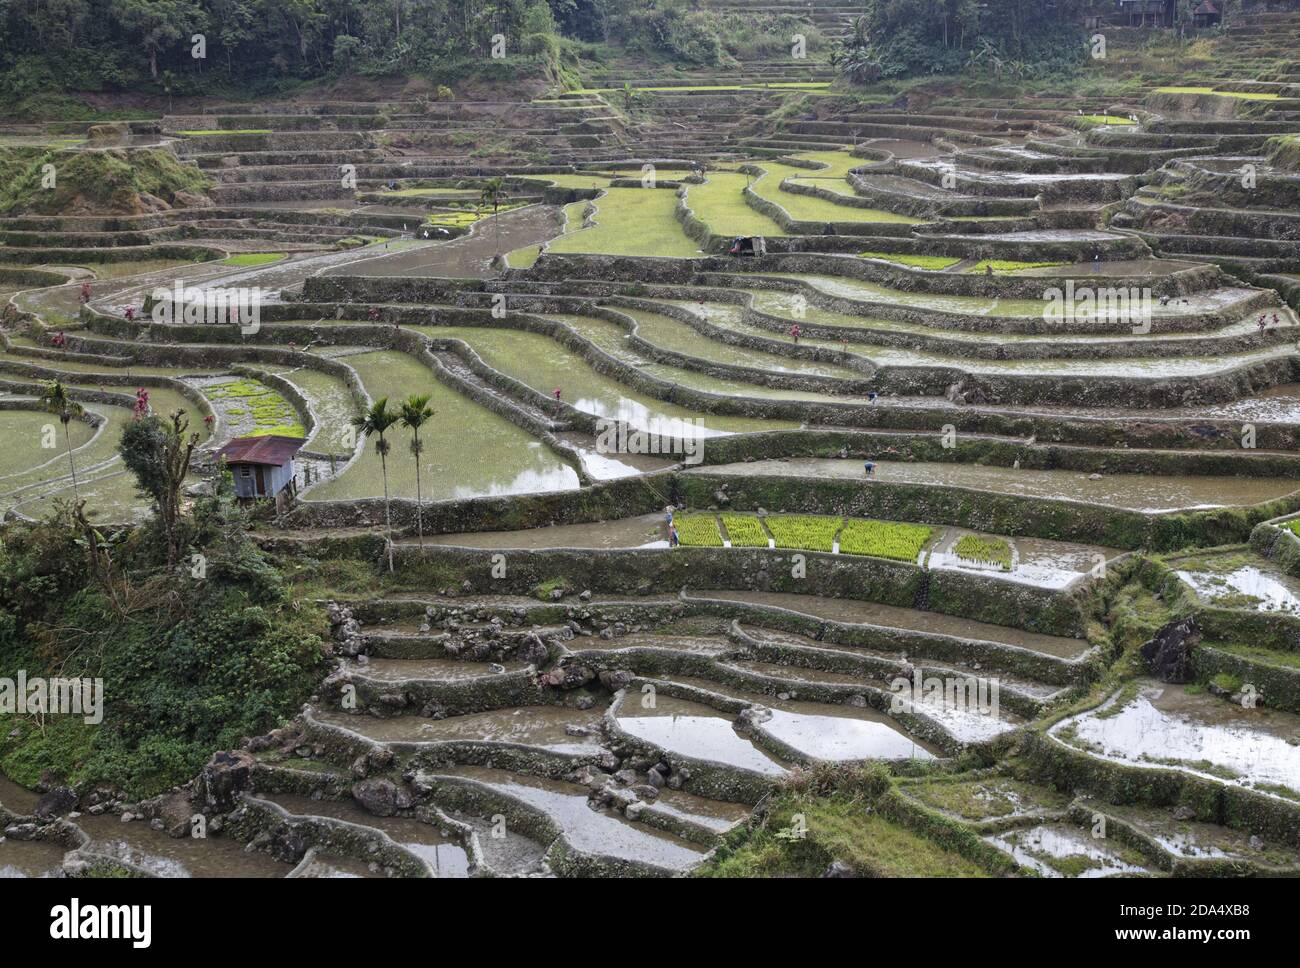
column 58, row 801
column 1169, row 654
column 381, row 797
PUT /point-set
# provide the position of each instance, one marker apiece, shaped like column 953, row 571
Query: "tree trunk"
column 72, row 464
column 419, row 501
column 388, row 520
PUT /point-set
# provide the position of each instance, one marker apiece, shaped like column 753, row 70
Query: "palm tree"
column 415, row 412
column 376, row 421
column 494, row 193
column 55, row 400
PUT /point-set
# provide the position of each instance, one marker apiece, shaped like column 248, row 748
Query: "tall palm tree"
column 494, row 193
column 415, row 413
column 55, row 400
column 377, row 420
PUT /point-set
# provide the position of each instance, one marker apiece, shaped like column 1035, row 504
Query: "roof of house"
column 269, row 450
column 1206, row 7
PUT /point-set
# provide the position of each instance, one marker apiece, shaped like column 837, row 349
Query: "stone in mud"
column 172, row 814
column 616, row 679
column 224, row 777
column 838, row 868
column 1169, row 654
column 58, row 801
column 381, row 797
column 533, row 650
column 569, row 676
column 21, row 831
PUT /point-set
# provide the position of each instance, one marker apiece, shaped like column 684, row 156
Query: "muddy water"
column 34, row 858
column 695, row 730
column 546, row 366
column 140, row 844
column 857, row 612
column 1166, row 725
column 640, row 532
column 695, row 644
column 442, row 670
column 1035, row 561
column 541, row 726
column 469, row 256
column 443, row 854
column 613, row 340
column 1038, row 847
column 669, row 334
column 331, row 405
column 1148, row 493
column 469, row 450
column 1031, row 688
column 17, row 798
column 1272, row 590
column 604, row 467
column 599, row 832
column 25, row 435
column 716, row 815
column 823, row 731
column 335, row 866
column 1185, row 838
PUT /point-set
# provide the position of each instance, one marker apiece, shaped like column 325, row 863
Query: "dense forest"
column 254, row 46
column 901, row 38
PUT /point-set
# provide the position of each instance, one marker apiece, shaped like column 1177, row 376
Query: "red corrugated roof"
column 268, row 450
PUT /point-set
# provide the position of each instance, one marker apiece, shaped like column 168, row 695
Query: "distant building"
column 262, row 466
column 1148, row 13
column 1207, row 14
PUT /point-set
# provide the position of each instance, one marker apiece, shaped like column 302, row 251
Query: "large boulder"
column 56, row 802
column 381, row 797
column 1169, row 654
column 221, row 782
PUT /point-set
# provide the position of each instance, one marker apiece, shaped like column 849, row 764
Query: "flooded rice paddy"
column 1148, row 493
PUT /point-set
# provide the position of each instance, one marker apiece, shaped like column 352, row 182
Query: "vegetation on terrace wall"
column 192, row 659
column 114, row 182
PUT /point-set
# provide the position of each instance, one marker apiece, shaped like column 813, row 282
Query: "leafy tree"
column 493, row 194
column 158, row 453
column 54, row 399
column 415, row 413
column 376, row 422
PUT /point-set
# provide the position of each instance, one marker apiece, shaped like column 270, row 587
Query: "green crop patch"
column 803, row 532
column 984, row 551
column 931, row 262
column 253, row 258
column 1007, row 265
column 698, row 531
column 745, row 531
column 884, row 539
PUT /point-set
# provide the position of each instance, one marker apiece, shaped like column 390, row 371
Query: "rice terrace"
column 650, row 438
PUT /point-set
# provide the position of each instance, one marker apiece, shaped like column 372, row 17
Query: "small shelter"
column 1207, row 14
column 1149, row 13
column 263, row 466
